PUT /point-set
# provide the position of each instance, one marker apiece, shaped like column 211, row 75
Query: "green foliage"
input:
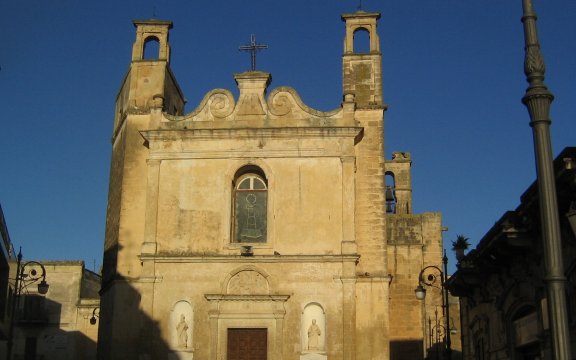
column 461, row 242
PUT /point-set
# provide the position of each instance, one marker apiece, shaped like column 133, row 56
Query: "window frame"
column 253, row 173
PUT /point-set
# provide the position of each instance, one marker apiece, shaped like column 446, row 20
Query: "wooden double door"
column 247, row 344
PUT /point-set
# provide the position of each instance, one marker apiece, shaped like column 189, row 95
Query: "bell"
column 390, row 194
column 389, row 207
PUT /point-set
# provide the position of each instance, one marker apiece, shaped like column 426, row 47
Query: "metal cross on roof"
column 253, row 47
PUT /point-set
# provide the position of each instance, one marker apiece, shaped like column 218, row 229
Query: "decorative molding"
column 254, row 297
column 220, row 105
column 179, row 258
column 250, row 133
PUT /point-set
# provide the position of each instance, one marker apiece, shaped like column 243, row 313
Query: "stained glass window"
column 250, row 209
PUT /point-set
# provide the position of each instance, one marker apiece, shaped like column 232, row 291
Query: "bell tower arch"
column 151, row 30
column 362, row 71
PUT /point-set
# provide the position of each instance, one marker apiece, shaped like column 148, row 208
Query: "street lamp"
column 26, row 275
column 436, row 332
column 433, row 276
column 93, row 319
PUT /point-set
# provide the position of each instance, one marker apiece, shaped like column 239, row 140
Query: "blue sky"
column 453, row 79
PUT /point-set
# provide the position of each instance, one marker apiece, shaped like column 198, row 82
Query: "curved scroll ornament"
column 281, row 104
column 218, row 103
column 284, row 100
column 221, row 104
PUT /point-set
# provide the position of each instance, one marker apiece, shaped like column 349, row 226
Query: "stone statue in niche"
column 182, row 332
column 313, row 336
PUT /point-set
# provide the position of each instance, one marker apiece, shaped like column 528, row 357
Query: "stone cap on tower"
column 151, row 30
column 361, row 20
column 362, row 69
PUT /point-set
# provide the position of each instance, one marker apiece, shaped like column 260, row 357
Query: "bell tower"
column 362, row 82
column 149, row 83
column 362, row 71
column 148, row 91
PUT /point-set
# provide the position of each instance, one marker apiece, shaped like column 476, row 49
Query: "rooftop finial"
column 253, row 47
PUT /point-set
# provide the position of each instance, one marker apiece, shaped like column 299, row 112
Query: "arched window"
column 361, row 41
column 151, row 48
column 250, row 206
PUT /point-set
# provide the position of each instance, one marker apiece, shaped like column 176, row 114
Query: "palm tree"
column 460, row 245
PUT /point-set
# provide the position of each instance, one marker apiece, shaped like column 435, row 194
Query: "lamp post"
column 436, row 332
column 538, row 99
column 23, row 279
column 430, row 276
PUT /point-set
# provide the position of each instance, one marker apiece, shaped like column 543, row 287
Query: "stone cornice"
column 234, row 297
column 185, row 142
column 166, row 155
column 251, row 259
column 249, row 132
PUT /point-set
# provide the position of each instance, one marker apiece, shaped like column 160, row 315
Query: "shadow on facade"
column 38, row 332
column 437, row 352
column 413, row 349
column 125, row 331
column 47, row 344
column 406, row 349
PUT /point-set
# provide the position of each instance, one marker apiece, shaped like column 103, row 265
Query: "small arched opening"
column 361, row 41
column 151, row 48
column 390, row 193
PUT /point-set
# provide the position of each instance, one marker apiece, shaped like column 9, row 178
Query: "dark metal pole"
column 14, row 303
column 437, row 335
column 430, row 336
column 446, row 304
column 538, row 99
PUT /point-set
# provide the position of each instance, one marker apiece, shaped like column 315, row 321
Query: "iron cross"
column 253, row 47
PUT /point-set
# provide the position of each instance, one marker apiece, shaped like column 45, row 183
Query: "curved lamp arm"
column 433, row 276
column 94, row 316
column 429, row 276
column 28, row 277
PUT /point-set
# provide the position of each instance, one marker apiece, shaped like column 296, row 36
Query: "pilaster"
column 151, row 218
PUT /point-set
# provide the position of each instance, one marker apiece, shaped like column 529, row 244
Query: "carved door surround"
column 246, row 301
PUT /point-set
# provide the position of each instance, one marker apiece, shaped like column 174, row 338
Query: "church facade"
column 258, row 227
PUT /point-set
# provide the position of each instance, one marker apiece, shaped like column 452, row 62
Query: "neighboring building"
column 57, row 325
column 502, row 282
column 6, row 287
column 258, row 227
